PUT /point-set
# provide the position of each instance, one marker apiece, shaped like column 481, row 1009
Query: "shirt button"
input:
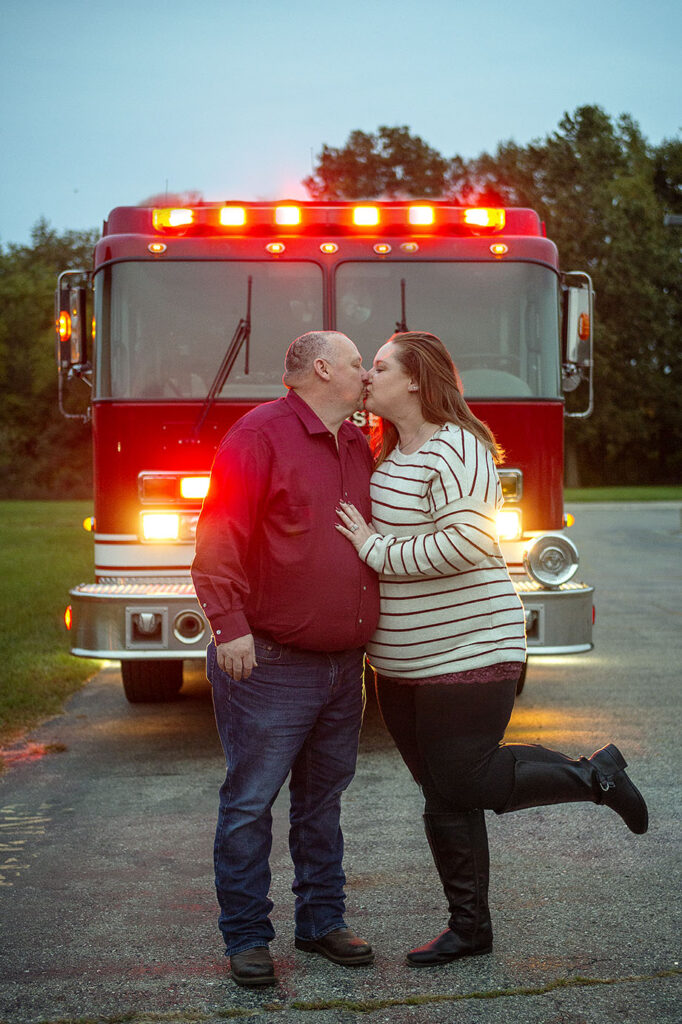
column 364, row 588
column 359, row 620
column 218, row 631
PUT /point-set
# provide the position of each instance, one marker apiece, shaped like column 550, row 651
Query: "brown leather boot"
column 253, row 967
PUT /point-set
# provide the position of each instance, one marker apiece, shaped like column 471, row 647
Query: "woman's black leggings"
column 449, row 737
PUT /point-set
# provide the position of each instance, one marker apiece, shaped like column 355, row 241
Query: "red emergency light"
column 287, row 215
column 421, row 215
column 366, row 216
column 232, row 216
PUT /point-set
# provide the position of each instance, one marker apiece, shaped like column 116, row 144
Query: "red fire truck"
column 192, row 312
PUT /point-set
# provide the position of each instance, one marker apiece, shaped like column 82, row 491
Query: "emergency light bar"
column 336, row 218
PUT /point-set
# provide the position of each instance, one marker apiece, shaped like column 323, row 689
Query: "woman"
column 450, row 644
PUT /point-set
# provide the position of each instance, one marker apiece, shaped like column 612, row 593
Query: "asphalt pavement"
column 106, row 829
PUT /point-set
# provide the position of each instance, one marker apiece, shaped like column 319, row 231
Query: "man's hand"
column 237, row 657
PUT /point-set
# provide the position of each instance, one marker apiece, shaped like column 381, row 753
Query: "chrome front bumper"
column 140, row 620
column 125, row 620
column 557, row 621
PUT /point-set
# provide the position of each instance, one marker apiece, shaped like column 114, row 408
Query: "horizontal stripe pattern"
column 447, row 602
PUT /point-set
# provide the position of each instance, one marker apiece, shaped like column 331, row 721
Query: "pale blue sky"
column 102, row 104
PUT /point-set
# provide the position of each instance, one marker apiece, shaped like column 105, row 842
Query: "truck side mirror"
column 577, row 335
column 72, row 334
column 71, row 324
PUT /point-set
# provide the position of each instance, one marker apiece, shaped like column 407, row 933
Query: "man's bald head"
column 299, row 362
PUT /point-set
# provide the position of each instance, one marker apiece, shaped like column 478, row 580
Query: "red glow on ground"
column 29, row 752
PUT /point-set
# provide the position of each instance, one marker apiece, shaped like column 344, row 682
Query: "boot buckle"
column 606, row 784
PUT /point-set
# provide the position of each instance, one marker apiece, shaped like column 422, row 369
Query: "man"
column 291, row 607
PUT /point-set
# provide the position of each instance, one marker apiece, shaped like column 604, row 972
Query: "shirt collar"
column 312, row 422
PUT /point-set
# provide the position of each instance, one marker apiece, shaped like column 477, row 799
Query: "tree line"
column 603, row 191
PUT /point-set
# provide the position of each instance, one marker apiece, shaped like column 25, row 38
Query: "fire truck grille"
column 150, row 588
column 532, row 587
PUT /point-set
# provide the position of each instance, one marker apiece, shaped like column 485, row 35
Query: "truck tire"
column 151, row 681
column 522, row 680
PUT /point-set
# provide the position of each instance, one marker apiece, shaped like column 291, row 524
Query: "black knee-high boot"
column 544, row 776
column 459, row 844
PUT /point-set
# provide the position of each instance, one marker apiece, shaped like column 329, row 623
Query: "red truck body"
column 177, row 288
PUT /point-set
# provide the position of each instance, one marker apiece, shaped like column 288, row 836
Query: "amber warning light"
column 485, row 218
column 172, row 218
column 584, row 326
column 64, row 326
column 194, row 486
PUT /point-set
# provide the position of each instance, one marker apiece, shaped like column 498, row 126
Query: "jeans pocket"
column 268, row 652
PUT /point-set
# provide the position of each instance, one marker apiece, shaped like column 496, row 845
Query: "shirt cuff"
column 229, row 627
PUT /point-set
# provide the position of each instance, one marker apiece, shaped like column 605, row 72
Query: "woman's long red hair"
column 426, row 360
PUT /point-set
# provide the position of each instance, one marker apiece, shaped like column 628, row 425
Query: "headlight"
column 509, row 523
column 551, row 559
column 160, row 526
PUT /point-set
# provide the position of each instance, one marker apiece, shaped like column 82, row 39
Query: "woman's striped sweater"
column 447, row 602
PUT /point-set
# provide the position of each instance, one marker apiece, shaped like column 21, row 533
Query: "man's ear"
column 321, row 367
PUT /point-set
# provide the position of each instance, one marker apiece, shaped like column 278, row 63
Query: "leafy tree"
column 602, row 191
column 668, row 174
column 41, row 454
column 391, row 163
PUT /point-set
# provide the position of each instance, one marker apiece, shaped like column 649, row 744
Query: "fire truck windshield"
column 500, row 321
column 163, row 329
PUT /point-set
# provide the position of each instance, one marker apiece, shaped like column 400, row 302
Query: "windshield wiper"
column 401, row 325
column 241, row 336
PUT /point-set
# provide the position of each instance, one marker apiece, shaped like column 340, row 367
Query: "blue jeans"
column 298, row 712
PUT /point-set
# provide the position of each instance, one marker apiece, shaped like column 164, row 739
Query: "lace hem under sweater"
column 447, row 602
column 506, row 671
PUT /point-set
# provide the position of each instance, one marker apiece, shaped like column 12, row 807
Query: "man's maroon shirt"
column 268, row 558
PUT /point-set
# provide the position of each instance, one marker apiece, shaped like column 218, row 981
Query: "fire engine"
column 193, row 309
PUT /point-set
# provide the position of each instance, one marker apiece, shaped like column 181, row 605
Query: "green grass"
column 43, row 552
column 667, row 493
